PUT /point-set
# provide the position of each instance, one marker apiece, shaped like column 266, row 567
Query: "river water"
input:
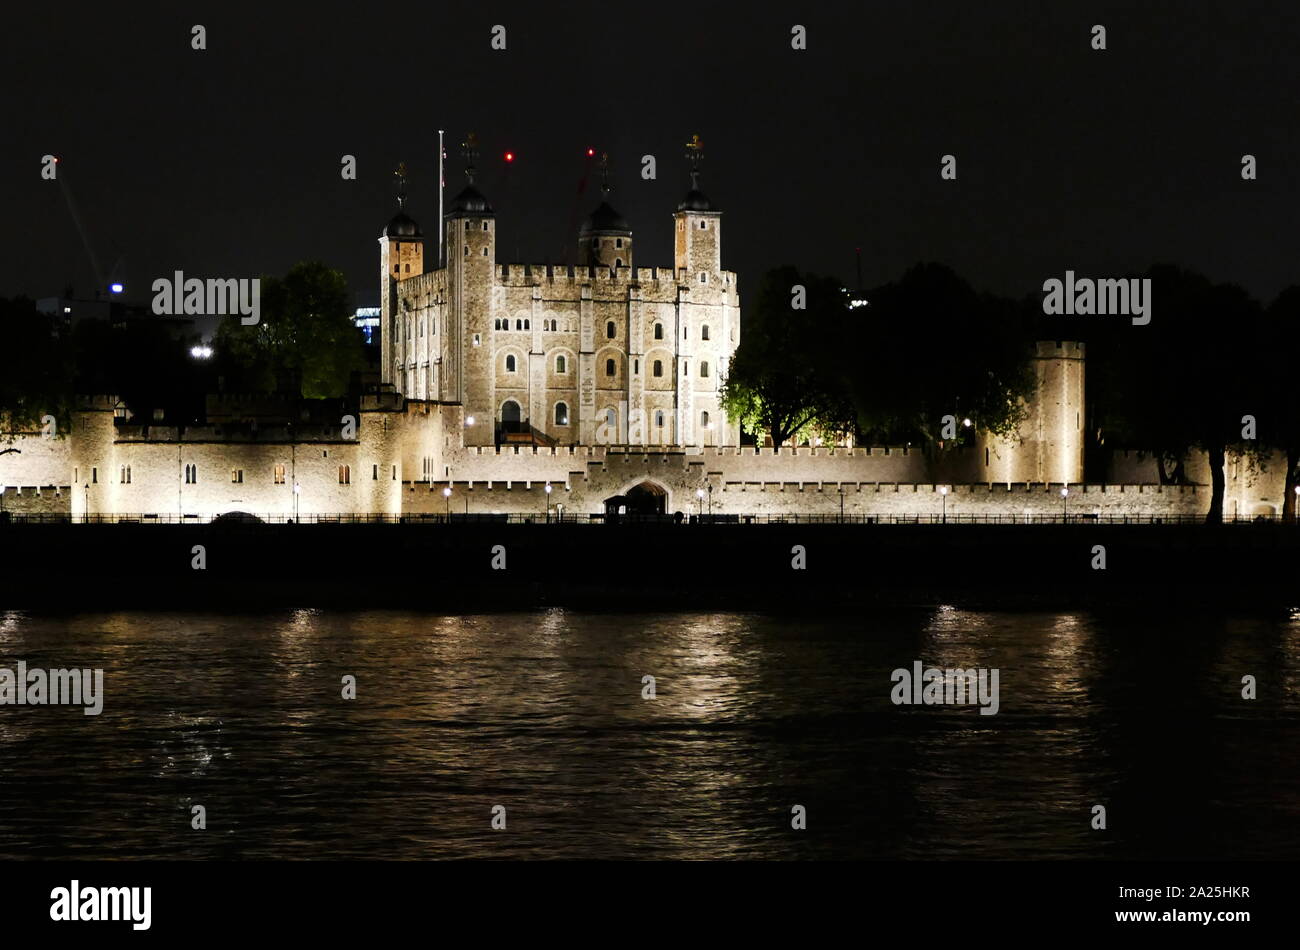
column 544, row 714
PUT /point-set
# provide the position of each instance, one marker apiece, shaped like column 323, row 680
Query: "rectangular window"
column 374, row 473
column 279, row 475
column 237, row 476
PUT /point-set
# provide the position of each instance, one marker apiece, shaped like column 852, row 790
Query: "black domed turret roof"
column 470, row 201
column 696, row 200
column 402, row 225
column 605, row 220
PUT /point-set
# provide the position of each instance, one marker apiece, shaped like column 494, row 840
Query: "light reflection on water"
column 543, row 713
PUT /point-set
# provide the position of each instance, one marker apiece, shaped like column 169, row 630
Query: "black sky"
column 226, row 162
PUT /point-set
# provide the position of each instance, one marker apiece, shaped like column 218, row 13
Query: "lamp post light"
column 841, row 504
column 446, row 494
column 710, row 501
column 548, row 502
column 1065, row 505
column 699, row 497
column 297, row 490
column 943, row 493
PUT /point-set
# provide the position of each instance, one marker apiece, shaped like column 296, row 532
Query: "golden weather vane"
column 695, row 154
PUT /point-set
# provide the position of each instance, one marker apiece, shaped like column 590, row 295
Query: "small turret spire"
column 469, row 148
column 400, row 175
column 695, row 155
column 604, row 175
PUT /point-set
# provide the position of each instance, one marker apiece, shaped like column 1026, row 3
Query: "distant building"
column 366, row 319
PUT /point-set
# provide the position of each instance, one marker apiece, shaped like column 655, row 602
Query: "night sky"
column 226, row 162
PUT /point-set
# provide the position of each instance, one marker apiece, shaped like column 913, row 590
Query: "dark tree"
column 927, row 346
column 782, row 378
column 305, row 341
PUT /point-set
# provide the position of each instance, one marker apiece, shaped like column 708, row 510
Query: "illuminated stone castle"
column 586, row 390
column 604, row 353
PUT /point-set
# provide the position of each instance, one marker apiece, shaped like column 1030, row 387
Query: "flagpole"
column 441, row 183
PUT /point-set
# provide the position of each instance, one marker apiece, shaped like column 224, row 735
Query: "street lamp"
column 699, row 497
column 548, row 502
column 943, row 493
column 297, row 490
column 469, row 420
column 1065, row 505
column 710, row 501
column 446, row 493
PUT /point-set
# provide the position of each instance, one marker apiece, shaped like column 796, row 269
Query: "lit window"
column 237, row 476
column 278, row 474
column 345, row 475
column 561, row 414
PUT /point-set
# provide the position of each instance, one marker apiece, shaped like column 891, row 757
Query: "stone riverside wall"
column 747, row 482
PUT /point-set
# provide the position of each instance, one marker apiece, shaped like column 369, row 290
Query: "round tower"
column 401, row 255
column 605, row 239
column 697, row 240
column 1048, row 446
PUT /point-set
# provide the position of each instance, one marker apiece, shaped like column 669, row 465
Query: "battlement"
column 96, row 402
column 1056, row 349
column 232, row 433
column 529, row 275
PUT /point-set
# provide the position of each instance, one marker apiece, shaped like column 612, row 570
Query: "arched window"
column 658, row 368
column 704, row 419
column 609, row 367
column 618, row 242
column 610, row 330
column 659, row 331
column 561, row 414
column 704, row 332
column 659, row 418
column 528, row 324
column 560, row 366
column 704, row 370
column 519, row 324
column 345, row 475
column 611, row 419
column 510, row 364
column 618, row 262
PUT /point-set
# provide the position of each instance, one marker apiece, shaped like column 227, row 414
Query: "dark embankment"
column 484, row 567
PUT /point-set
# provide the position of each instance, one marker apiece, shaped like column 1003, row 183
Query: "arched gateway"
column 643, row 498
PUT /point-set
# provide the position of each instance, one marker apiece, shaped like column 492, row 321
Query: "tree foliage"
column 305, row 342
